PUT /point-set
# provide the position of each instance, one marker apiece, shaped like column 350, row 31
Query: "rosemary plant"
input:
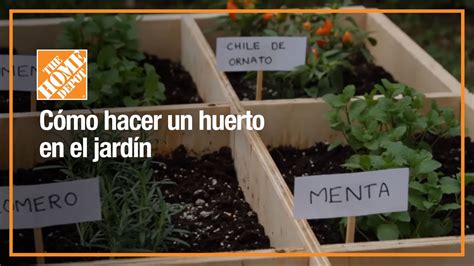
column 135, row 216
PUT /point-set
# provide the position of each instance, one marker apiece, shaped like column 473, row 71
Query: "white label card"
column 24, row 73
column 353, row 194
column 260, row 53
column 52, row 204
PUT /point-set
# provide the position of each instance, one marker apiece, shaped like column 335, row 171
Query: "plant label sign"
column 260, row 53
column 52, row 204
column 352, row 194
column 24, row 73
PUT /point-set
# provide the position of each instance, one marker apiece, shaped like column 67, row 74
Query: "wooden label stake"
column 259, row 91
column 350, row 229
column 39, row 247
column 33, row 101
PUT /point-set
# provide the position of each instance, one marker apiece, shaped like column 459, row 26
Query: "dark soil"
column 317, row 160
column 447, row 152
column 21, row 103
column 216, row 213
column 179, row 84
column 180, row 88
column 366, row 75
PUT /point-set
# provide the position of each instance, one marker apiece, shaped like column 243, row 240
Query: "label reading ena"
column 52, row 204
column 260, row 53
column 24, row 72
column 352, row 194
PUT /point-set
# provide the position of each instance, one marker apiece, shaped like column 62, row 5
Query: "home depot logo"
column 61, row 74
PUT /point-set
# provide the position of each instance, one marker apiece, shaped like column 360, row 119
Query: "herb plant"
column 390, row 132
column 245, row 24
column 469, row 178
column 333, row 41
column 117, row 75
column 135, row 216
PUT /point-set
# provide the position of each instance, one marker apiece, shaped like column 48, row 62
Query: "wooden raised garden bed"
column 184, row 44
column 395, row 52
column 288, row 122
column 168, row 37
column 178, row 38
column 300, row 123
column 260, row 190
column 302, row 129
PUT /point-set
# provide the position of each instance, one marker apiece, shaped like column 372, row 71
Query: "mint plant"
column 117, row 76
column 390, row 131
column 469, row 178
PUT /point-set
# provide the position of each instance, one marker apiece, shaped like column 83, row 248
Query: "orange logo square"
column 61, row 74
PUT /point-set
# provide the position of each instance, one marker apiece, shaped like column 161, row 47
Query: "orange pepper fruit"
column 320, row 31
column 267, row 17
column 347, row 37
column 325, row 29
column 232, row 5
column 307, row 26
column 328, row 25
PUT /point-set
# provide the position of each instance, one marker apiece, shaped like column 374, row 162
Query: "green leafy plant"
column 469, row 178
column 333, row 40
column 245, row 24
column 117, row 76
column 135, row 216
column 390, row 132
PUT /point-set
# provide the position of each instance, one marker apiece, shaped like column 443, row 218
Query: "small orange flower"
column 315, row 53
column 267, row 17
column 307, row 25
column 321, row 43
column 347, row 37
column 325, row 29
column 232, row 5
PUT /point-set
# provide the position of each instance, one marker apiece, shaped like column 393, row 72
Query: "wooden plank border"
column 434, row 245
column 209, row 261
column 405, row 59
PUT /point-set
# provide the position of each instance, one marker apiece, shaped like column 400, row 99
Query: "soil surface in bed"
column 180, row 88
column 364, row 77
column 317, row 160
column 216, row 213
